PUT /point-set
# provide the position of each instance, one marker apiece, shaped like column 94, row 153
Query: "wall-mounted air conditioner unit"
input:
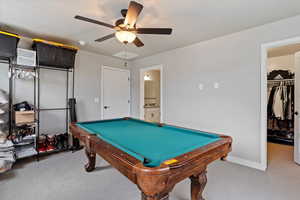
column 26, row 57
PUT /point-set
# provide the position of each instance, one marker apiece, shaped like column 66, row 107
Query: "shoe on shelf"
column 42, row 149
column 42, row 144
column 50, row 148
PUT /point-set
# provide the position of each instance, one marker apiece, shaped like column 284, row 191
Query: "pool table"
column 153, row 156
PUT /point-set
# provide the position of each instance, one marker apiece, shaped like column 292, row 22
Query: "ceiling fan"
column 126, row 30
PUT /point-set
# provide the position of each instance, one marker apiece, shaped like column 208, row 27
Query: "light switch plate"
column 216, row 85
column 201, row 86
column 96, row 100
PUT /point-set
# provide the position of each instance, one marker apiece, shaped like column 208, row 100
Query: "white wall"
column 281, row 63
column 234, row 62
column 87, row 80
column 87, row 88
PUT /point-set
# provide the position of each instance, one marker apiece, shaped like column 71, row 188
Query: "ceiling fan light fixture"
column 125, row 36
column 126, row 29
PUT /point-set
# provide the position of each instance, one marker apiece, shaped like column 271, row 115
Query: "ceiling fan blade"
column 160, row 31
column 105, row 37
column 93, row 21
column 138, row 42
column 133, row 12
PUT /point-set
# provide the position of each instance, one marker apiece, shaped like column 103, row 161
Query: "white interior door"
column 297, row 109
column 115, row 93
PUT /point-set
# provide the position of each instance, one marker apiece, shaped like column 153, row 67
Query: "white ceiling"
column 192, row 20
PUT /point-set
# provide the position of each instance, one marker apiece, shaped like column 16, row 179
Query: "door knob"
column 296, row 113
column 106, row 107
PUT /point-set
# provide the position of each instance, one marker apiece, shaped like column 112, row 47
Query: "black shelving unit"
column 8, row 55
column 63, row 108
column 13, row 125
column 58, row 57
column 49, row 56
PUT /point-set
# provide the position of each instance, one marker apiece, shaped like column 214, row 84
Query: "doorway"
column 151, row 94
column 115, row 93
column 279, row 102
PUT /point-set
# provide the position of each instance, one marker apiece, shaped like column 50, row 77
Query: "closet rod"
column 282, row 80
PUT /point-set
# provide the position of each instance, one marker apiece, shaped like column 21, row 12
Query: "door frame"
column 264, row 96
column 142, row 90
column 102, row 88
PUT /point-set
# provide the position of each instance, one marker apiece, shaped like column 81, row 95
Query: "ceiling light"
column 147, row 78
column 125, row 36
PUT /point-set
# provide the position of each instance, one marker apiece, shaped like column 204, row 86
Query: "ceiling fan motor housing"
column 119, row 22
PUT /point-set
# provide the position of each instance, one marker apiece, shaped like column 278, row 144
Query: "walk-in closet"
column 281, row 110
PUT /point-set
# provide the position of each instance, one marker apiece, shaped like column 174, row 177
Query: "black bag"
column 8, row 45
column 54, row 54
column 23, row 105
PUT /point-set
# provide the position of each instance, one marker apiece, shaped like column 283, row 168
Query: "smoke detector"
column 125, row 55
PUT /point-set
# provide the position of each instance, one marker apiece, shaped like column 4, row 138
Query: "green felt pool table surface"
column 147, row 141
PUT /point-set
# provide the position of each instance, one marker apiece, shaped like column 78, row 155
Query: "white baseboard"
column 246, row 163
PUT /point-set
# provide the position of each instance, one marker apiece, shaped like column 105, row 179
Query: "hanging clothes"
column 271, row 101
column 281, row 102
column 281, row 107
column 278, row 103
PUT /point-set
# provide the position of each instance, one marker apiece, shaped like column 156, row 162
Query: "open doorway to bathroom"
column 151, row 94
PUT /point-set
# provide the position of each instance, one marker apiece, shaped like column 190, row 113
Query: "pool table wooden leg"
column 156, row 197
column 154, row 187
column 198, row 183
column 90, row 166
column 224, row 158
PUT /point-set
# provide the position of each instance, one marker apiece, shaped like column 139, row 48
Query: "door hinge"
column 128, row 79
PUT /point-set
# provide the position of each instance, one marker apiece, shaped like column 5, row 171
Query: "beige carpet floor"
column 61, row 177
